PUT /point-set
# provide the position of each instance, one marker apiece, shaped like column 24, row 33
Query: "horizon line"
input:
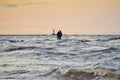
column 63, row 34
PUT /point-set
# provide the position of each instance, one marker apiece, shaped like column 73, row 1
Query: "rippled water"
column 75, row 57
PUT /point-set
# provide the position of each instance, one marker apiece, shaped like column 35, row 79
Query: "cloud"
column 10, row 5
column 118, row 10
column 43, row 3
column 33, row 3
column 24, row 4
column 27, row 4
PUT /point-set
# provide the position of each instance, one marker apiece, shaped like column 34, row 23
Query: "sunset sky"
column 71, row 16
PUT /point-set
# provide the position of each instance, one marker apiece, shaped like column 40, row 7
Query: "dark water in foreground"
column 75, row 57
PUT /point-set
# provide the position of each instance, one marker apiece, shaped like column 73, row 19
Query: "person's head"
column 59, row 30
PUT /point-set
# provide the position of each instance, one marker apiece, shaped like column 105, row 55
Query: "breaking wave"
column 9, row 48
column 76, row 74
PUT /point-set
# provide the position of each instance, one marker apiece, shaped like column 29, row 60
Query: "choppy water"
column 75, row 57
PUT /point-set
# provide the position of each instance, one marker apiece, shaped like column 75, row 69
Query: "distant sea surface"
column 74, row 57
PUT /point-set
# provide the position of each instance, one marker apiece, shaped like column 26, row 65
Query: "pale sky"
column 71, row 16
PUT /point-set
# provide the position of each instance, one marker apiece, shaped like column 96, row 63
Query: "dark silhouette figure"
column 59, row 35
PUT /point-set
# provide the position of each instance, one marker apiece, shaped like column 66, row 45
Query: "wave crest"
column 8, row 48
column 76, row 74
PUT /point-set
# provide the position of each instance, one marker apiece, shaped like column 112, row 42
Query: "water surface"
column 75, row 57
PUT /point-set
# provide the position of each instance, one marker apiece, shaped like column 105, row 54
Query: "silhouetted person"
column 59, row 35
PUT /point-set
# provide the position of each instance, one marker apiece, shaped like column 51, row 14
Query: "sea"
column 74, row 57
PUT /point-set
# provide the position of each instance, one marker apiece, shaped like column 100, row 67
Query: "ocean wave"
column 100, row 49
column 77, row 74
column 65, row 73
column 20, row 48
column 56, row 53
column 11, row 41
column 2, row 40
column 114, row 38
column 85, row 40
column 99, row 71
column 117, row 58
column 16, row 41
column 108, row 50
column 11, row 47
column 15, row 72
column 62, row 41
column 107, row 72
column 69, row 74
column 74, row 40
column 12, row 75
column 109, row 39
